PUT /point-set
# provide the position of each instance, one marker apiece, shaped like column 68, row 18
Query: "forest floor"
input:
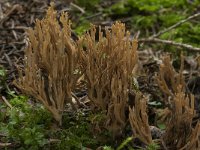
column 161, row 27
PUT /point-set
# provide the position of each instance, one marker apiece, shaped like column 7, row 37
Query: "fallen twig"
column 94, row 15
column 52, row 141
column 78, row 7
column 156, row 40
column 15, row 7
column 77, row 100
column 2, row 145
column 6, row 102
column 175, row 25
column 15, row 28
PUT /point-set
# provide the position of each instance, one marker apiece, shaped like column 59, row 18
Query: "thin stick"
column 5, row 144
column 52, row 141
column 7, row 103
column 15, row 28
column 94, row 15
column 156, row 40
column 15, row 7
column 77, row 100
column 175, row 25
column 77, row 7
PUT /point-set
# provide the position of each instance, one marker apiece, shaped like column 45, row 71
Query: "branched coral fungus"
column 179, row 133
column 139, row 120
column 108, row 64
column 168, row 79
column 49, row 63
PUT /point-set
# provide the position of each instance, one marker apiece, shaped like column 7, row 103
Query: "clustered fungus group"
column 54, row 62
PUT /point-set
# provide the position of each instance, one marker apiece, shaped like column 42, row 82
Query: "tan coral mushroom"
column 139, row 120
column 50, row 60
column 108, row 64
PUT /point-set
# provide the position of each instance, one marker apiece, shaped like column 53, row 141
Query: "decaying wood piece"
column 108, row 63
column 50, row 61
column 139, row 120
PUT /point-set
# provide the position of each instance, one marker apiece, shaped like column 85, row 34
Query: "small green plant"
column 107, row 148
column 153, row 146
column 2, row 79
column 76, row 133
column 152, row 16
column 125, row 143
column 82, row 27
column 25, row 123
column 2, row 73
column 89, row 8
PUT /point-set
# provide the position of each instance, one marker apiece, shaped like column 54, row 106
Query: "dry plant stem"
column 77, row 7
column 4, row 145
column 156, row 40
column 15, row 28
column 94, row 15
column 6, row 102
column 53, row 141
column 174, row 26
